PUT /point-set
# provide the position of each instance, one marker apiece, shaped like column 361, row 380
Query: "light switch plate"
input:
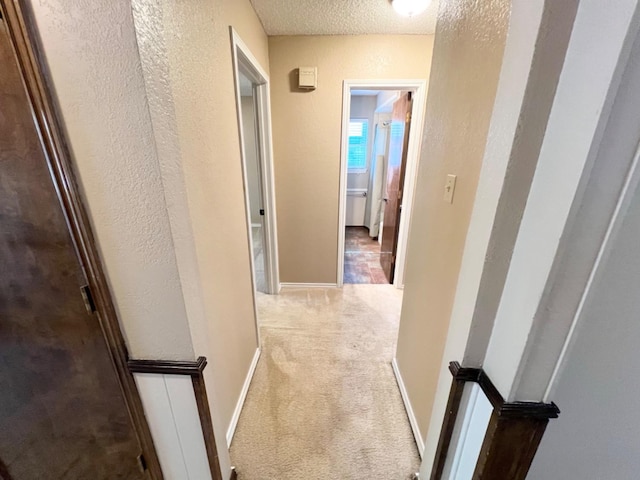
column 449, row 188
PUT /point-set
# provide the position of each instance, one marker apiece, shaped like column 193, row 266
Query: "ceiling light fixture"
column 410, row 8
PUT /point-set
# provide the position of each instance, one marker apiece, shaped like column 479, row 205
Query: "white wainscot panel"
column 171, row 410
column 468, row 434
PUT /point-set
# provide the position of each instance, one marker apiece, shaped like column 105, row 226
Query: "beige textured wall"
column 100, row 89
column 186, row 52
column 148, row 102
column 306, row 136
column 466, row 65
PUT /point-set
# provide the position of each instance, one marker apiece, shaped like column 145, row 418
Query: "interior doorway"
column 254, row 126
column 380, row 149
column 253, row 179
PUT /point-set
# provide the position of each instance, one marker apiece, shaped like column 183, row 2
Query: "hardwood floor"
column 362, row 257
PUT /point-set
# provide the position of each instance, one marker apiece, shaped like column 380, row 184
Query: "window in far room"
column 358, row 136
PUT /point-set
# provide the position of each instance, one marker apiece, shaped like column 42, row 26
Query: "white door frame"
column 242, row 57
column 419, row 89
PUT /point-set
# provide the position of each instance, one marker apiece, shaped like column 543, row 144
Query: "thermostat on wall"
column 308, row 78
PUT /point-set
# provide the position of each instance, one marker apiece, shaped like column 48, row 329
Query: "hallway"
column 324, row 403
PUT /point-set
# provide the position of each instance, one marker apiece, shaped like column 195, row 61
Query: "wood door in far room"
column 63, row 412
column 394, row 185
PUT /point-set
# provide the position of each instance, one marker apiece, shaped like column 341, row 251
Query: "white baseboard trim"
column 243, row 396
column 308, row 285
column 413, row 421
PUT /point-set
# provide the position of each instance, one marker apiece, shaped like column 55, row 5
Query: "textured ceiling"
column 340, row 17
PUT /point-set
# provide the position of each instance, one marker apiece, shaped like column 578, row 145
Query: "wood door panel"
column 62, row 409
column 399, row 141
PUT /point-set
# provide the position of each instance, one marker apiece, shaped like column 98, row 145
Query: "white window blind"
column 358, row 136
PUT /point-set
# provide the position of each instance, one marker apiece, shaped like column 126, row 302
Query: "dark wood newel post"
column 513, row 434
column 509, row 446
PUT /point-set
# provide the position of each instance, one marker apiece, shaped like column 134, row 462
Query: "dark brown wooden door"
column 62, row 411
column 399, row 140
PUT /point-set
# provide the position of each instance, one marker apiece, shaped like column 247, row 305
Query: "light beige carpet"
column 324, row 403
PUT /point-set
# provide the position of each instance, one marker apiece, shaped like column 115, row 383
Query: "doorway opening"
column 381, row 126
column 254, row 126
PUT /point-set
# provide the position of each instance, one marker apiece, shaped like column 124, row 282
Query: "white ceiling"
column 340, row 17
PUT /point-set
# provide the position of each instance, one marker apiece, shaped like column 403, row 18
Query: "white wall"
column 377, row 181
column 363, row 106
column 385, row 101
column 593, row 207
column 597, row 433
column 374, row 210
column 595, row 382
column 574, row 125
column 573, row 196
column 251, row 154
